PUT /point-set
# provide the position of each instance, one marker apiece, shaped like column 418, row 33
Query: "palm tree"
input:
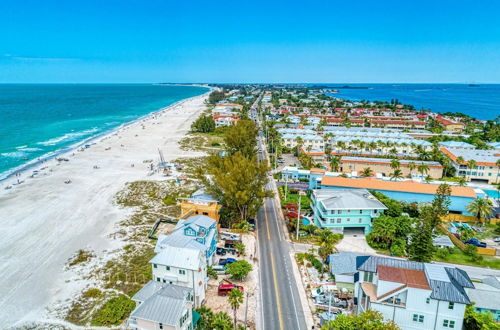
column 367, row 171
column 300, row 142
column 481, row 207
column 397, row 174
column 446, row 163
column 423, row 169
column 412, row 166
column 461, row 181
column 334, row 164
column 221, row 321
column 498, row 169
column 235, row 299
column 395, row 164
column 471, row 164
column 326, row 238
column 372, row 146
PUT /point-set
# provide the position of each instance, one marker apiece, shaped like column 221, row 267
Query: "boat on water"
column 473, row 85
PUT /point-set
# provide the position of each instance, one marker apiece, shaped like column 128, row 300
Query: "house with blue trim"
column 199, row 232
column 338, row 209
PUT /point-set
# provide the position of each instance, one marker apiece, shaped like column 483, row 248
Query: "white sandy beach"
column 44, row 221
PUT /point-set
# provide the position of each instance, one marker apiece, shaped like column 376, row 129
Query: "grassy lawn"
column 293, row 197
column 460, row 258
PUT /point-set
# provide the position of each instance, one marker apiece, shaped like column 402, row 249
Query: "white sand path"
column 44, row 221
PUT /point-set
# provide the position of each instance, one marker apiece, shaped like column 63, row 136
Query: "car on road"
column 221, row 251
column 221, row 270
column 226, row 261
column 224, row 289
column 476, row 242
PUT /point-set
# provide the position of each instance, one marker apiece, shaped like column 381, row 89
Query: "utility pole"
column 298, row 215
column 246, row 310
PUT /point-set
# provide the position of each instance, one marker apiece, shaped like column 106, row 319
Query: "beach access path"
column 44, row 221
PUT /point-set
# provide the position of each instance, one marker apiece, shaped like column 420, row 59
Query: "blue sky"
column 250, row 41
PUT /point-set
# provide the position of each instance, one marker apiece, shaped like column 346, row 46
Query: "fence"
column 461, row 245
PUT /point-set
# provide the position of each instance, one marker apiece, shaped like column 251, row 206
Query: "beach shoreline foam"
column 46, row 220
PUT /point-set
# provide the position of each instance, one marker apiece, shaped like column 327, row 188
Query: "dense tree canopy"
column 242, row 138
column 369, row 320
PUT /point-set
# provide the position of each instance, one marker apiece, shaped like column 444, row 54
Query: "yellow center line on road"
column 267, row 222
column 276, row 291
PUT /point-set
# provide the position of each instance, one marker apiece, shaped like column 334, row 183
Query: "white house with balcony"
column 414, row 295
column 185, row 267
column 163, row 306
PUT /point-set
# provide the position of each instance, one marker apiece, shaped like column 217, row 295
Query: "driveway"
column 354, row 241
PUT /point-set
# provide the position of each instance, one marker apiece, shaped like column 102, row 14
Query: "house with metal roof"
column 414, row 295
column 338, row 209
column 486, row 296
column 344, row 266
column 182, row 266
column 196, row 232
column 163, row 306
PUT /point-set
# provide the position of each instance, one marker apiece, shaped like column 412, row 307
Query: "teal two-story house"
column 337, row 209
column 198, row 232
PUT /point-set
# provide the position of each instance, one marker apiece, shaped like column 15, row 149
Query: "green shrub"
column 92, row 293
column 114, row 311
column 239, row 269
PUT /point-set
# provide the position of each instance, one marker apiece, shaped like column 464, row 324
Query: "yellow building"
column 201, row 203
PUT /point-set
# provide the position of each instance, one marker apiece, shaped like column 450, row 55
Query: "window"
column 155, row 266
column 205, row 213
column 339, row 220
column 158, row 279
column 161, row 325
column 360, row 211
column 339, row 211
column 428, row 300
column 451, row 305
column 167, row 267
column 448, row 324
column 182, row 272
column 418, row 318
column 360, row 220
column 368, row 277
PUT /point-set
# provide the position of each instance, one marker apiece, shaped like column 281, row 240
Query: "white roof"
column 436, row 272
column 179, row 257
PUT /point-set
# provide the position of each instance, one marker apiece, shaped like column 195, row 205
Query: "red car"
column 224, row 289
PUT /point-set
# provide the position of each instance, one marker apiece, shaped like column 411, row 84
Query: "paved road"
column 281, row 307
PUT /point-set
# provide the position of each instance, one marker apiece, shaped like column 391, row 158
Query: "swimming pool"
column 492, row 193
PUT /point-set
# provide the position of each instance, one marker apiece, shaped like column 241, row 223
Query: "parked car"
column 221, row 251
column 496, row 239
column 476, row 242
column 219, row 269
column 226, row 261
column 224, row 289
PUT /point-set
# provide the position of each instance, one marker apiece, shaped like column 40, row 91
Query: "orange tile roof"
column 447, row 122
column 317, row 170
column 410, row 277
column 455, row 158
column 403, row 186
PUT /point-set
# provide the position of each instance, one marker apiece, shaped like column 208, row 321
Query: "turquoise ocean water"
column 39, row 120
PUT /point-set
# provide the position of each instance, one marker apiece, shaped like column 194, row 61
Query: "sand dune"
column 44, row 221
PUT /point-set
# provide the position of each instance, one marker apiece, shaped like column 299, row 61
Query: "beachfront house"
column 414, row 295
column 200, row 202
column 163, row 306
column 347, row 208
column 184, row 267
column 196, row 232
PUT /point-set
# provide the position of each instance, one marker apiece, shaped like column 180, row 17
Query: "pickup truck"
column 476, row 242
